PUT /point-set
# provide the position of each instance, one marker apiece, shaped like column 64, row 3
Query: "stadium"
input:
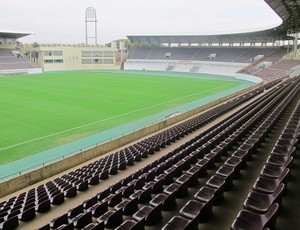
column 171, row 132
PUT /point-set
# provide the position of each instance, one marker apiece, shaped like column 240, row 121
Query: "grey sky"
column 62, row 21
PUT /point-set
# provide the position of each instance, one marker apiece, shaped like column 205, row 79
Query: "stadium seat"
column 259, row 202
column 269, row 185
column 206, row 195
column 151, row 215
column 143, row 195
column 111, row 219
column 226, row 172
column 56, row 222
column 181, row 223
column 113, row 199
column 250, row 220
column 128, row 206
column 11, row 223
column 218, row 183
column 98, row 209
column 75, row 211
column 132, row 225
column 94, row 226
column 167, row 201
column 82, row 220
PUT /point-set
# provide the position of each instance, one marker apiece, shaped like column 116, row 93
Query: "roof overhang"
column 14, row 35
column 271, row 35
column 289, row 12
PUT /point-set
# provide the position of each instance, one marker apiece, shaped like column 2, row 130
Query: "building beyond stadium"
column 73, row 57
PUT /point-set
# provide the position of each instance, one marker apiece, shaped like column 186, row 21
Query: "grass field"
column 39, row 112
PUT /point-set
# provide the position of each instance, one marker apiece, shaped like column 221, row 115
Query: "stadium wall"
column 295, row 71
column 248, row 77
column 46, row 171
column 206, row 67
column 16, row 72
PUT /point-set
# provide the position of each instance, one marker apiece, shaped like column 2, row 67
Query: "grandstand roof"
column 289, row 12
column 270, row 35
column 15, row 35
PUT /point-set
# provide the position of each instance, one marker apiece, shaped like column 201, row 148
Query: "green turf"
column 39, row 112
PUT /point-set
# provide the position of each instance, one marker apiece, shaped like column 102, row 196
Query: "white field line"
column 106, row 119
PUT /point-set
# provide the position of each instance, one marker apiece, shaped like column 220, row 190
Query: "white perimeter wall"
column 217, row 68
column 295, row 71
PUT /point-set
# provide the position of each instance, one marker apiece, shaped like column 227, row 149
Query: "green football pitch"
column 39, row 112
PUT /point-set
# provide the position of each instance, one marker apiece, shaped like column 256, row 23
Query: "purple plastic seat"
column 151, row 215
column 111, row 219
column 10, row 223
column 218, row 183
column 113, row 199
column 279, row 160
column 227, row 172
column 156, row 186
column 101, row 195
column 89, row 202
column 94, row 226
column 250, row 220
column 69, row 226
column 260, row 202
column 168, row 201
column 269, row 185
column 206, row 195
column 56, row 222
column 82, row 220
column 243, row 155
column 98, row 209
column 190, row 180
column 284, row 150
column 132, row 225
column 143, row 195
column 273, row 171
column 57, row 199
column 194, row 209
column 177, row 190
column 236, row 163
column 44, row 206
column 126, row 190
column 70, row 192
column 203, row 164
column 181, row 223
column 128, row 206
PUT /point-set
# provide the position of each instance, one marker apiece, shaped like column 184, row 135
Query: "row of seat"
column 263, row 203
column 200, row 208
column 142, row 194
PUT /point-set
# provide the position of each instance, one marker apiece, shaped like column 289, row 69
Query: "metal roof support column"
column 295, row 45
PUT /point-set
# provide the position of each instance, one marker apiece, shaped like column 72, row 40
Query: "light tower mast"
column 90, row 18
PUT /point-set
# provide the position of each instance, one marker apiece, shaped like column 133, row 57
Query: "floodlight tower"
column 91, row 18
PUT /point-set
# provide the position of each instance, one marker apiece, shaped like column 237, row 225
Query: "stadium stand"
column 12, row 59
column 222, row 54
column 263, row 62
column 228, row 167
column 278, row 70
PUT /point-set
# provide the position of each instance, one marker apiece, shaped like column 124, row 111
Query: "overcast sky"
column 63, row 21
